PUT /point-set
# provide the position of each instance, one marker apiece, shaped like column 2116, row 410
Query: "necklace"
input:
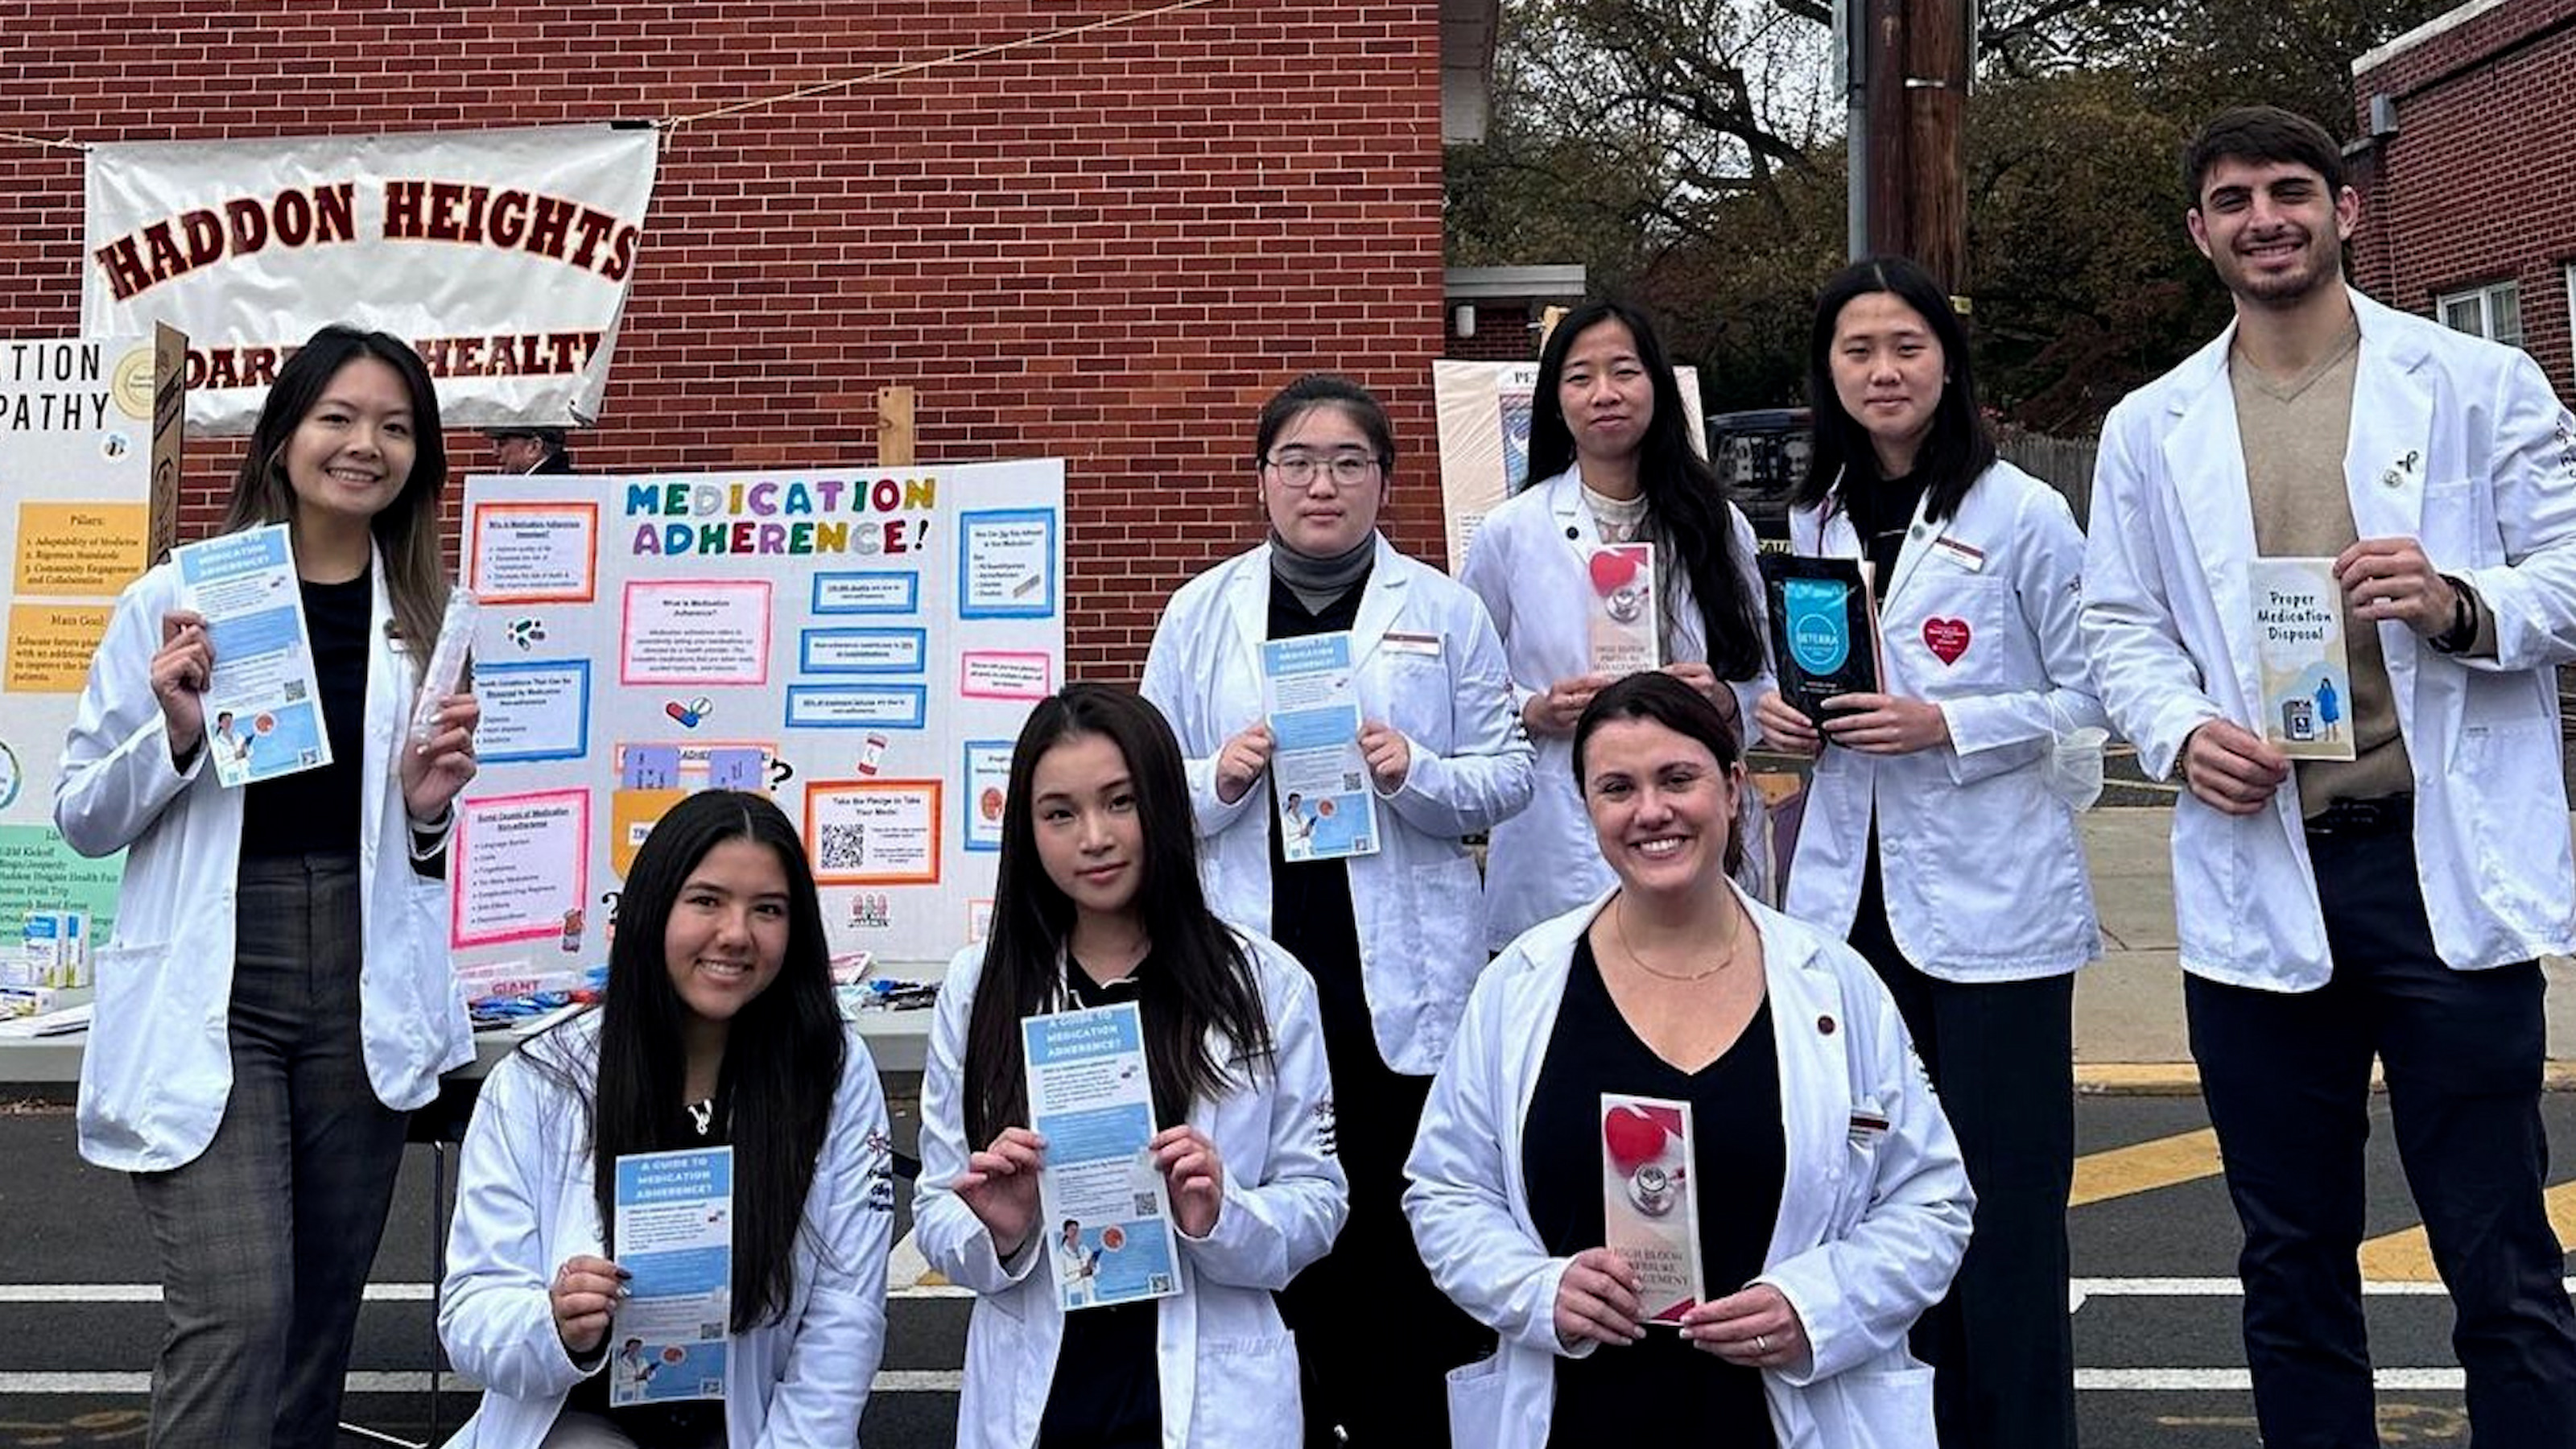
column 702, row 1115
column 1619, row 929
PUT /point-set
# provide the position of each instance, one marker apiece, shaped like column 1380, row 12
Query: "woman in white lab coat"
column 255, row 1083
column 1824, row 1187
column 1392, row 937
column 718, row 1029
column 1610, row 462
column 1097, row 902
column 1932, row 839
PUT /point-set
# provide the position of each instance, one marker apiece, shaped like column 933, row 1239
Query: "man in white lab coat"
column 2392, row 903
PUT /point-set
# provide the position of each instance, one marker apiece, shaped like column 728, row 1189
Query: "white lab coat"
column 1528, row 563
column 1428, row 664
column 1226, row 1365
column 1871, row 1226
column 158, row 1066
column 524, row 1204
column 1983, row 873
column 2457, row 443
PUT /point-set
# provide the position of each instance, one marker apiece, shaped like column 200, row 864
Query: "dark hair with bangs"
column 1202, row 983
column 1686, row 508
column 784, row 1050
column 2262, row 133
column 1957, row 450
column 407, row 532
column 1326, row 389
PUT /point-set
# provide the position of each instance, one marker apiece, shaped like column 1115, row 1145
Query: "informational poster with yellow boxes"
column 89, row 493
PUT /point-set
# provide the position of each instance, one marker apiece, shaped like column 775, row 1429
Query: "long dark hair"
column 1685, row 503
column 783, row 1053
column 407, row 532
column 1664, row 699
column 1202, row 979
column 1957, row 450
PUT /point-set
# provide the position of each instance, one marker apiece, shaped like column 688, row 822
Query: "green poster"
column 38, row 872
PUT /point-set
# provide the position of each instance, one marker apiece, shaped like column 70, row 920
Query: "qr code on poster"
column 842, row 847
column 1144, row 1204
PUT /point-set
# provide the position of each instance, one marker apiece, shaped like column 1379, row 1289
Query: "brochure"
column 1318, row 778
column 1626, row 626
column 1824, row 629
column 1104, row 1209
column 674, row 1234
column 263, row 710
column 1649, row 1209
column 2307, row 677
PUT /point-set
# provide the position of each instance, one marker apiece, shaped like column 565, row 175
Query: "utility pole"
column 1906, row 85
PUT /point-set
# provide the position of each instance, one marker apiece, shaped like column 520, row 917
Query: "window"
column 2493, row 312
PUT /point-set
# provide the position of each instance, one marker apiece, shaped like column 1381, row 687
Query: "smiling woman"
column 717, row 1027
column 1759, row 1039
column 301, row 914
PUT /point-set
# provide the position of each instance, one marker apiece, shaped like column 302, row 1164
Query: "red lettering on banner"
column 203, row 236
column 550, row 228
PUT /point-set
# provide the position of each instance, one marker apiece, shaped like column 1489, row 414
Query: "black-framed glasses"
column 1347, row 470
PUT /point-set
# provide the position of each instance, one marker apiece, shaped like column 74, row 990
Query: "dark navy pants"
column 2287, row 1080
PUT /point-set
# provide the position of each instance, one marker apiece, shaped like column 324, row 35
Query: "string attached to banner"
column 65, row 144
column 913, row 67
column 671, row 125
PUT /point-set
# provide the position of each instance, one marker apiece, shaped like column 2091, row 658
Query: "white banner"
column 504, row 256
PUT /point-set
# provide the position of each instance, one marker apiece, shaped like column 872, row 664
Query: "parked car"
column 1760, row 455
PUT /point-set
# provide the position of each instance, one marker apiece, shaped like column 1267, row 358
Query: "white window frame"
column 2484, row 298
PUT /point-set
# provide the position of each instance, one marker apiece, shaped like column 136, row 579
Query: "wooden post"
column 1936, row 111
column 894, row 426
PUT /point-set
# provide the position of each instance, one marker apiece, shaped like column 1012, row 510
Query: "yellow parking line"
column 2407, row 1256
column 2144, row 1167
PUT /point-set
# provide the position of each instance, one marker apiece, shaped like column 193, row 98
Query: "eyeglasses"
column 1347, row 470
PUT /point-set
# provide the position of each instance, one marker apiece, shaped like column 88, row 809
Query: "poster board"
column 89, row 491
column 862, row 642
column 1484, row 422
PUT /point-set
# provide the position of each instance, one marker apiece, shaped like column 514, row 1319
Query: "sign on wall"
column 864, row 643
column 503, row 256
column 89, row 482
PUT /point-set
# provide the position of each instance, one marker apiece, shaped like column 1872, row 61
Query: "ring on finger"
column 1761, row 1344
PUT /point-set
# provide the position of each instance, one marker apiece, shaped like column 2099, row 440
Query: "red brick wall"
column 1110, row 249
column 2479, row 184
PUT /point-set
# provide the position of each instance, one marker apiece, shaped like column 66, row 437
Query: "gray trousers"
column 266, row 1238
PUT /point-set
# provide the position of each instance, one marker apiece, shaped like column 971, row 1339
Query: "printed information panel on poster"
column 675, row 1238
column 858, row 642
column 89, row 494
column 1105, row 1210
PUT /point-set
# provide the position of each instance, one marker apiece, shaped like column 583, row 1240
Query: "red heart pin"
column 1946, row 638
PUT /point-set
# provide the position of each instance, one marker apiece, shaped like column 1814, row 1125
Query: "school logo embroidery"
column 1328, row 1131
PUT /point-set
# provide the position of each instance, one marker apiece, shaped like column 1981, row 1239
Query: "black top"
column 1880, row 514
column 687, row 1423
column 317, row 811
column 1660, row 1390
column 1311, row 916
column 1107, row 1392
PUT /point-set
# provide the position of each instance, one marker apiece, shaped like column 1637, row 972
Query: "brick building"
column 2467, row 177
column 1111, row 247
